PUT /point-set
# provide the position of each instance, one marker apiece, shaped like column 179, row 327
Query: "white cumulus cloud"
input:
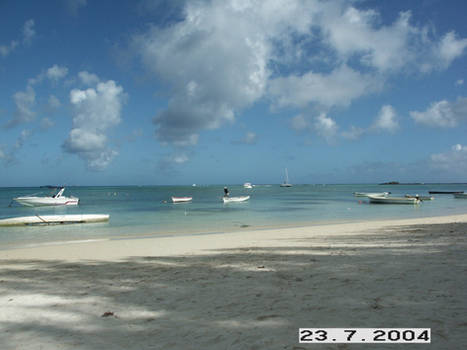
column 95, row 111
column 87, row 78
column 386, row 119
column 220, row 57
column 56, row 72
column 326, row 127
column 443, row 113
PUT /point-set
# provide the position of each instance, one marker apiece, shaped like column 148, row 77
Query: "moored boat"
column 57, row 199
column 422, row 198
column 235, row 199
column 366, row 194
column 393, row 200
column 181, row 199
column 460, row 195
column 286, row 182
column 247, row 185
column 445, row 192
column 54, row 219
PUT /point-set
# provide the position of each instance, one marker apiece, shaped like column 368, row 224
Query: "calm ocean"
column 147, row 210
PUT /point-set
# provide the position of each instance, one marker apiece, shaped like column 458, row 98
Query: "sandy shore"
column 241, row 290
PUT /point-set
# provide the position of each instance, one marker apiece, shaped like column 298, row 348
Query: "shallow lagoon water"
column 147, row 210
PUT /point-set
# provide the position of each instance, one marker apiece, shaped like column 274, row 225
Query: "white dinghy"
column 54, row 219
column 235, row 199
column 393, row 200
column 56, row 199
column 181, row 199
column 366, row 194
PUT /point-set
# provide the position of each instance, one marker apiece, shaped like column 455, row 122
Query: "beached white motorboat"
column 56, row 199
column 393, row 200
column 286, row 182
column 460, row 195
column 235, row 199
column 366, row 194
column 54, row 219
column 247, row 185
column 181, row 199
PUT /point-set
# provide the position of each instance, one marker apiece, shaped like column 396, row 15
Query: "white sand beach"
column 250, row 289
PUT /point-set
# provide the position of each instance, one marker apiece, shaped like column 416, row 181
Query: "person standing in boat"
column 226, row 192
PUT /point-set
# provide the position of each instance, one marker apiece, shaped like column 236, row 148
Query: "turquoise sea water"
column 147, row 210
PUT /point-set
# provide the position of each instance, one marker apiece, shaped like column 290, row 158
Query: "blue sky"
column 179, row 92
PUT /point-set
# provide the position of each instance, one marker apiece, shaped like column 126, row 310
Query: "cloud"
column 443, row 113
column 73, row 6
column 326, row 127
column 386, row 119
column 95, row 111
column 9, row 156
column 54, row 102
column 28, row 35
column 28, row 31
column 354, row 133
column 5, row 50
column 453, row 161
column 337, row 88
column 321, row 124
column 449, row 48
column 24, row 101
column 299, row 54
column 46, row 123
column 250, row 138
column 55, row 73
column 87, row 78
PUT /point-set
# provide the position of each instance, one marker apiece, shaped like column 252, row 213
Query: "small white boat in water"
column 56, row 199
column 460, row 195
column 54, row 219
column 393, row 200
column 247, row 185
column 286, row 182
column 181, row 199
column 235, row 199
column 366, row 194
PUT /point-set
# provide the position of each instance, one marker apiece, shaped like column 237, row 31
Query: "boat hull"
column 181, row 199
column 235, row 199
column 54, row 219
column 393, row 200
column 422, row 198
column 445, row 192
column 366, row 194
column 46, row 201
